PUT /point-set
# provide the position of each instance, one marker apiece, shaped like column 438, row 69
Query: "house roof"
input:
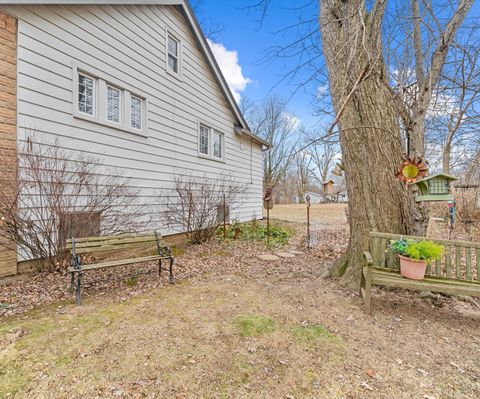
column 242, row 127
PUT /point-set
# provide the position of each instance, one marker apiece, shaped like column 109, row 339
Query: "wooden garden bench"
column 110, row 244
column 456, row 273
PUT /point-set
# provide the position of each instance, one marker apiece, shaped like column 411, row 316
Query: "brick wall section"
column 8, row 123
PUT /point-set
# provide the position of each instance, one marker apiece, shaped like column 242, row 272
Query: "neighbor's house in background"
column 132, row 83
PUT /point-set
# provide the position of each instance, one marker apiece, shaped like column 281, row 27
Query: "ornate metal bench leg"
column 159, row 268
column 171, row 271
column 72, row 282
column 79, row 283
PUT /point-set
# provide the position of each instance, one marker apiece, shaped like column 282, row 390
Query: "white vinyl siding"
column 113, row 104
column 126, row 47
column 86, row 94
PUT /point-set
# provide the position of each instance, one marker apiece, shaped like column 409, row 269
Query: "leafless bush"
column 58, row 194
column 196, row 205
column 468, row 204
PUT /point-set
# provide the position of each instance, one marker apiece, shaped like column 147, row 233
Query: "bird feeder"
column 435, row 188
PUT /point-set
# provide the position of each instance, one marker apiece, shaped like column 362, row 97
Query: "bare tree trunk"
column 446, row 158
column 369, row 127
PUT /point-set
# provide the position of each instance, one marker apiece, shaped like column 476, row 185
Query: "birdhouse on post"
column 435, row 188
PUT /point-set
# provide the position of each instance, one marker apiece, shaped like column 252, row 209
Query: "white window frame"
column 120, row 102
column 169, row 33
column 132, row 96
column 211, row 132
column 94, row 94
column 101, row 83
column 217, row 133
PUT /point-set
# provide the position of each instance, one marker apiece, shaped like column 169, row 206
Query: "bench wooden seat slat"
column 119, row 262
column 440, row 277
column 116, row 243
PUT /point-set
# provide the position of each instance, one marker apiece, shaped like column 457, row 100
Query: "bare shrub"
column 58, row 194
column 195, row 205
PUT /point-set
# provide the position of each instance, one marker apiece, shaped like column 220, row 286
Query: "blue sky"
column 244, row 43
column 241, row 32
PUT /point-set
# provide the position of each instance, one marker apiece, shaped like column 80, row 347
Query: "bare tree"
column 323, row 156
column 301, row 168
column 59, row 193
column 379, row 121
column 369, row 111
column 273, row 122
column 196, row 205
column 452, row 125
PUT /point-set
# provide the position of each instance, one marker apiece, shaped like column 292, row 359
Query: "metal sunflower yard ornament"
column 412, row 169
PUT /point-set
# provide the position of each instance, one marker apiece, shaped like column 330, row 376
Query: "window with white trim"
column 211, row 143
column 217, row 144
column 113, row 104
column 173, row 54
column 136, row 112
column 86, row 94
column 102, row 100
column 204, row 136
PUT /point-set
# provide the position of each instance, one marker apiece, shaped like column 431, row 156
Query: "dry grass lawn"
column 329, row 216
column 233, row 327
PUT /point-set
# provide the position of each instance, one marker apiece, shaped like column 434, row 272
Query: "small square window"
column 204, row 136
column 217, row 144
column 136, row 113
column 173, row 53
column 113, row 104
column 86, row 94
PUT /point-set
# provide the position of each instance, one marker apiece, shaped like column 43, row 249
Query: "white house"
column 133, row 83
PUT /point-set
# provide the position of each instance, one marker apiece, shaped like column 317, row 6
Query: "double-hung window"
column 86, row 94
column 211, row 143
column 173, row 54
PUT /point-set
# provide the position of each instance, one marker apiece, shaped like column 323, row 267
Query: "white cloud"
column 232, row 71
column 293, row 121
column 322, row 90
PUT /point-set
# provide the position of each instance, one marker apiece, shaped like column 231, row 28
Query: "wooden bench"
column 456, row 273
column 111, row 244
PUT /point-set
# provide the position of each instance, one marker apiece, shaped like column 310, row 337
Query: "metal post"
column 307, row 198
column 224, row 218
column 268, row 224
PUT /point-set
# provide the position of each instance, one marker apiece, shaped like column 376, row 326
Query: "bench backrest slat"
column 460, row 260
column 111, row 243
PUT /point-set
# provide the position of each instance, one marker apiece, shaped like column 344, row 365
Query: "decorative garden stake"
column 307, row 199
column 412, row 169
column 451, row 217
column 224, row 218
column 268, row 204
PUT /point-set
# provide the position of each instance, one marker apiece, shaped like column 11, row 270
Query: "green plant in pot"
column 415, row 255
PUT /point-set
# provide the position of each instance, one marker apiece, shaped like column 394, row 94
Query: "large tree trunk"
column 369, row 128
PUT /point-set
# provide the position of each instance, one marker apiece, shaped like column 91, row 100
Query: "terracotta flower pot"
column 411, row 268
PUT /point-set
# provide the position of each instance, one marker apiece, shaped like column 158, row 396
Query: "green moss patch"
column 252, row 325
